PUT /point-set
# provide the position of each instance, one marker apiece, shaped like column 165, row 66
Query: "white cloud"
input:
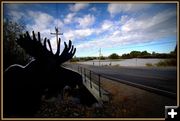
column 124, row 19
column 58, row 23
column 107, row 25
column 94, row 9
column 69, row 18
column 16, row 15
column 40, row 21
column 78, row 34
column 153, row 23
column 84, row 32
column 14, row 6
column 86, row 21
column 130, row 25
column 126, row 7
column 78, row 6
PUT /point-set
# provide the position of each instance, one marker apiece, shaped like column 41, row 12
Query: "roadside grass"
column 169, row 62
column 163, row 63
column 128, row 101
column 116, row 65
column 149, row 64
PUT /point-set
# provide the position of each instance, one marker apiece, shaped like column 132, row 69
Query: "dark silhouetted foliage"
column 12, row 52
column 114, row 56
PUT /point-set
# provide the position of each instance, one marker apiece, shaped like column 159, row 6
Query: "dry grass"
column 134, row 102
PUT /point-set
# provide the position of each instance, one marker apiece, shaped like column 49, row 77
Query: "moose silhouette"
column 23, row 86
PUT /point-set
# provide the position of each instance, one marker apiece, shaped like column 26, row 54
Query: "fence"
column 92, row 81
column 93, row 78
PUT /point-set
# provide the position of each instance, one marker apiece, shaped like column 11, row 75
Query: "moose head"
column 23, row 86
column 35, row 48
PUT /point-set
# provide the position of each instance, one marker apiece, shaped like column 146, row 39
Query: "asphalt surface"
column 158, row 80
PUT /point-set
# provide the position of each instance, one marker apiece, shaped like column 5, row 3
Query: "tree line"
column 132, row 54
column 145, row 54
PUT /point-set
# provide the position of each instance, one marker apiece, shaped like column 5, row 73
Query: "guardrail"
column 92, row 81
column 93, row 78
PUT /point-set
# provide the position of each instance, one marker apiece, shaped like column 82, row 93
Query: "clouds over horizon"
column 114, row 9
column 121, row 24
column 78, row 6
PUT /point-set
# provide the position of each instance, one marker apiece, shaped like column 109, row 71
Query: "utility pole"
column 57, row 33
column 99, row 55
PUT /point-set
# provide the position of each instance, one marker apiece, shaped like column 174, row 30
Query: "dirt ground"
column 129, row 101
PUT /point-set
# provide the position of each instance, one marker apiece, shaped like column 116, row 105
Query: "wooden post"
column 57, row 33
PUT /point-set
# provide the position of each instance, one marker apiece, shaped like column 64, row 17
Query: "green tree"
column 12, row 52
column 102, row 58
column 173, row 53
column 125, row 56
column 153, row 53
column 145, row 54
column 135, row 54
column 114, row 56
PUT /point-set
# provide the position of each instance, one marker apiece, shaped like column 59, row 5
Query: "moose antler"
column 67, row 53
column 34, row 47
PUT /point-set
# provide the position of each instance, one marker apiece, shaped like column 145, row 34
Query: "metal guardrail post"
column 99, row 85
column 81, row 71
column 90, row 78
column 85, row 74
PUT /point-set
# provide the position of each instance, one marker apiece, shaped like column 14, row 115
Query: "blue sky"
column 114, row 27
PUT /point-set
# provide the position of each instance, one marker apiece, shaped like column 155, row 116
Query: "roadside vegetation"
column 12, row 52
column 164, row 63
column 171, row 62
column 149, row 64
column 135, row 54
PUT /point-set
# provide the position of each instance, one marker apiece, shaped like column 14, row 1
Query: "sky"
column 112, row 27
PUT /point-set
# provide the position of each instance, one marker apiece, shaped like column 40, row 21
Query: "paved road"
column 163, row 80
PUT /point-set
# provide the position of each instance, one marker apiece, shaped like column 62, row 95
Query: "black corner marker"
column 171, row 113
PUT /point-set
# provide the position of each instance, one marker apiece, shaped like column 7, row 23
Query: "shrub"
column 169, row 62
column 114, row 56
column 149, row 64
